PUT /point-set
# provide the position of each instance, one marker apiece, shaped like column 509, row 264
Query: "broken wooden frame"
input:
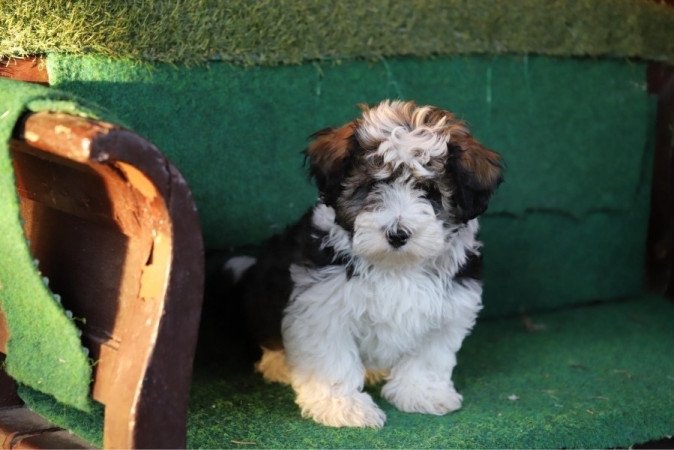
column 117, row 233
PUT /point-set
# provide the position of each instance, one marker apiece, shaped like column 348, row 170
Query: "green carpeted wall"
column 574, row 133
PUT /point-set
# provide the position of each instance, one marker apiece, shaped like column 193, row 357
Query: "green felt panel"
column 598, row 376
column 44, row 350
column 87, row 425
column 268, row 32
column 547, row 259
column 574, row 135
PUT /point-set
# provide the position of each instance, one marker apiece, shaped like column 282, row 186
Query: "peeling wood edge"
column 158, row 419
column 64, row 135
column 32, row 69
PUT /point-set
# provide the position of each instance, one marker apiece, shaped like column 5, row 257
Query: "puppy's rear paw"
column 358, row 410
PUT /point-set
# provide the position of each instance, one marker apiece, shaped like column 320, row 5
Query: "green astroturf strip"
column 44, row 349
column 87, row 425
column 269, row 32
column 590, row 377
column 575, row 134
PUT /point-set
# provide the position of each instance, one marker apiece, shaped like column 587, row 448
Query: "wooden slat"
column 660, row 242
column 32, row 69
column 115, row 196
column 22, row 428
column 52, row 439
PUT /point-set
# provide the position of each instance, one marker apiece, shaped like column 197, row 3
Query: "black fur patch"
column 265, row 288
column 330, row 186
column 470, row 196
column 433, row 195
column 471, row 269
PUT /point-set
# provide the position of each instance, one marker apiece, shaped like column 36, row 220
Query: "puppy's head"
column 402, row 180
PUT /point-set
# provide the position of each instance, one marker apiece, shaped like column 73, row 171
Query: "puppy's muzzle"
column 397, row 238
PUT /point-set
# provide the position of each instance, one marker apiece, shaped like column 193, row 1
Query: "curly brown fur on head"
column 328, row 154
column 400, row 140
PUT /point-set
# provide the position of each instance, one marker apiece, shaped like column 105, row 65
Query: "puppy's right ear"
column 329, row 154
column 477, row 173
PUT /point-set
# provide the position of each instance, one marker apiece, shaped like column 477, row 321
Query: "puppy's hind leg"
column 273, row 366
column 238, row 265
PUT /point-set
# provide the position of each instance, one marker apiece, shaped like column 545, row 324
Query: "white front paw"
column 356, row 410
column 426, row 398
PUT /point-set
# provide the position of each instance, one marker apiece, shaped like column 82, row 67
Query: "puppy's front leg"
column 421, row 382
column 325, row 368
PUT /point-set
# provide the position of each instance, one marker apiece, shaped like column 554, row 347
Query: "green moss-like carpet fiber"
column 596, row 376
column 575, row 135
column 44, row 349
column 291, row 31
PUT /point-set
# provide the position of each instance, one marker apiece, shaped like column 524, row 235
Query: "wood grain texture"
column 32, row 69
column 116, row 231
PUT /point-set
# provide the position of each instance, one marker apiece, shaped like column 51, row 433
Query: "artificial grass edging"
column 272, row 32
column 44, row 350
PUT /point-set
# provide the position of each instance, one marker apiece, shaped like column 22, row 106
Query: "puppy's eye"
column 362, row 191
column 433, row 195
column 431, row 192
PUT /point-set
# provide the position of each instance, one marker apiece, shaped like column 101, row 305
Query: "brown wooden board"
column 21, row 428
column 32, row 69
column 115, row 229
column 660, row 247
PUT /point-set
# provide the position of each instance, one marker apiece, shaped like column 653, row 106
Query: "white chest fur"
column 384, row 314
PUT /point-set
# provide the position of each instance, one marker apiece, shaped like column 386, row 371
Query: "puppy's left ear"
column 329, row 154
column 476, row 172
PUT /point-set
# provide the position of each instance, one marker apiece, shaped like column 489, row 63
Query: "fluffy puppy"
column 381, row 275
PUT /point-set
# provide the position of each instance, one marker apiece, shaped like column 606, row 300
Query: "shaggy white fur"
column 398, row 296
column 410, row 320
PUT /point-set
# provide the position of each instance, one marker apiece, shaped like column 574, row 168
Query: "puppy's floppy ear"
column 476, row 172
column 329, row 155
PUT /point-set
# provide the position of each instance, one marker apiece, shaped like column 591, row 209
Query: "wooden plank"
column 115, row 183
column 660, row 241
column 31, row 69
column 56, row 439
column 20, row 421
column 22, row 428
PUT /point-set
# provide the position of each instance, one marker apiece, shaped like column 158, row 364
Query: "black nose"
column 397, row 238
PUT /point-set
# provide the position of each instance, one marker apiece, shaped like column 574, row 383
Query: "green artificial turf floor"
column 596, row 376
column 592, row 376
